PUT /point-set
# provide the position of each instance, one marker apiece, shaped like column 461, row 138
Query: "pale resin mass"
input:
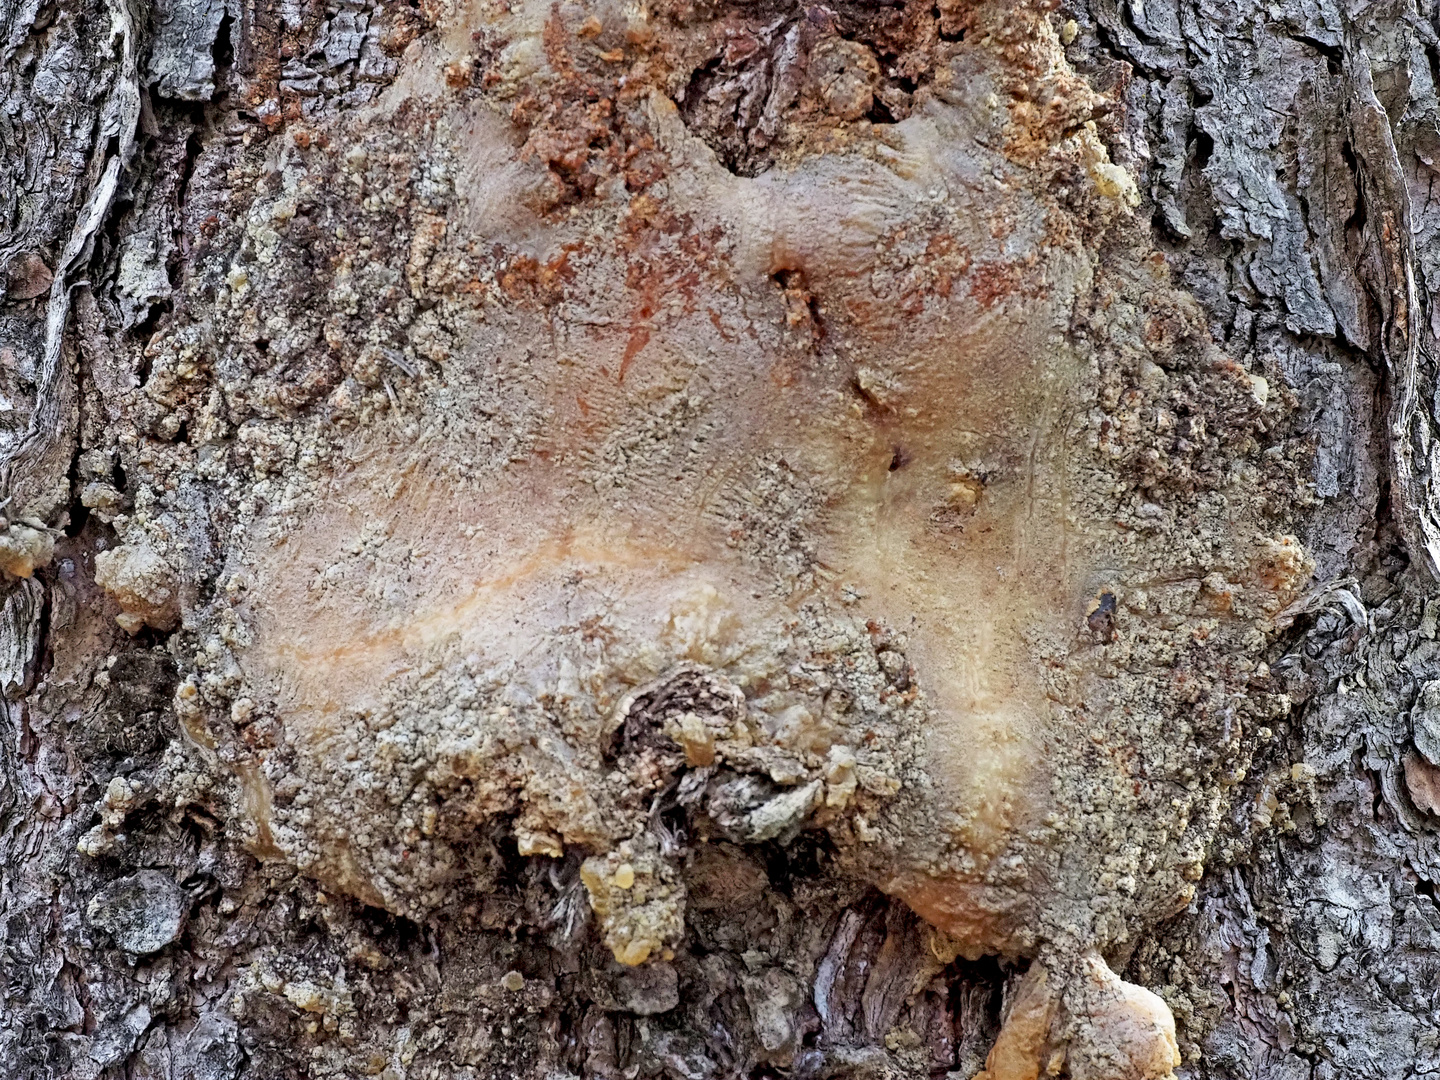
column 793, row 481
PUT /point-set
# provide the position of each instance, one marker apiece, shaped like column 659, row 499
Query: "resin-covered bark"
column 808, row 500
column 542, row 535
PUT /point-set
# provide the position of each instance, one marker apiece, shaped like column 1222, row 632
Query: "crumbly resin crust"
column 713, row 414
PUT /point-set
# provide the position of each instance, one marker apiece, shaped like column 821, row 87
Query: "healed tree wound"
column 866, row 485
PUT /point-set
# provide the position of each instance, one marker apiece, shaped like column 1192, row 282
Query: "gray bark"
column 1287, row 156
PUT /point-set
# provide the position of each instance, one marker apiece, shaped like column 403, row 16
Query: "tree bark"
column 155, row 927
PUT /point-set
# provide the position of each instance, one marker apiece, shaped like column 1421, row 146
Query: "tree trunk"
column 1052, row 392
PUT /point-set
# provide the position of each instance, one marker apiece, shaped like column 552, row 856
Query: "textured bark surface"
column 148, row 155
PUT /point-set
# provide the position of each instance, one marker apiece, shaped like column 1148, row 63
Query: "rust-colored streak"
column 639, row 338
